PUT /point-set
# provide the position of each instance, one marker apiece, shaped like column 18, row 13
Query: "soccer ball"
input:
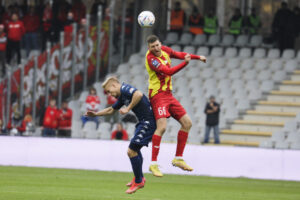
column 146, row 19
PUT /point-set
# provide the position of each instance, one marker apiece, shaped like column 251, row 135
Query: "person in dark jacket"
column 212, row 111
column 284, row 27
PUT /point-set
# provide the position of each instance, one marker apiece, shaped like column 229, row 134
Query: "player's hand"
column 90, row 114
column 187, row 58
column 124, row 111
column 203, row 59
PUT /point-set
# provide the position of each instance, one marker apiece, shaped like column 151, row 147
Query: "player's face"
column 155, row 48
column 112, row 90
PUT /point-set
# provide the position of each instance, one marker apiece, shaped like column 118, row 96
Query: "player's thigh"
column 132, row 150
column 176, row 109
column 160, row 107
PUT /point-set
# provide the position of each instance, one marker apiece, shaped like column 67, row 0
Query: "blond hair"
column 109, row 80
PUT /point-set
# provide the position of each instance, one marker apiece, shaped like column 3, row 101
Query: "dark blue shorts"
column 144, row 131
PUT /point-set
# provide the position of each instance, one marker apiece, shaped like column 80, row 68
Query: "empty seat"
column 279, row 76
column 135, row 59
column 267, row 85
column 232, row 63
column 259, row 53
column 186, row 39
column 245, row 52
column 224, row 83
column 250, row 74
column 213, row 40
column 227, row 40
column 255, row 41
column 235, row 74
column 189, row 49
column 288, row 54
column 264, row 75
column 192, row 72
column 176, row 47
column 203, row 51
column 217, row 52
column 240, row 94
column 252, row 84
column 243, row 104
column 298, row 56
column 276, row 65
column 261, row 64
column 247, row 64
column 207, row 73
column 254, row 95
column 230, row 52
column 241, row 41
column 290, row 65
column 123, row 68
column 218, row 63
column 290, row 126
column 199, row 39
column 221, row 73
column 171, row 38
column 273, row 53
column 143, row 50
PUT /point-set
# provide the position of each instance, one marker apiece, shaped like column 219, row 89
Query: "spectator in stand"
column 94, row 10
column 297, row 20
column 212, row 111
column 32, row 24
column 210, row 23
column 113, row 118
column 64, row 120
column 2, row 50
column 15, row 32
column 2, row 11
column 92, row 104
column 120, row 133
column 236, row 23
column 68, row 26
column 2, row 128
column 46, row 22
column 7, row 15
column 177, row 18
column 284, row 27
column 29, row 126
column 253, row 22
column 16, row 125
column 50, row 120
column 196, row 22
column 79, row 10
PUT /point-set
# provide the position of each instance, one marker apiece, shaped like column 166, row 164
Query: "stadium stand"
column 258, row 90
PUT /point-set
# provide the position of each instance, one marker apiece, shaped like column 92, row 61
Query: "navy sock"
column 136, row 167
column 141, row 160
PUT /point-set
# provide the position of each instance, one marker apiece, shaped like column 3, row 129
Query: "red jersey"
column 50, row 118
column 65, row 119
column 3, row 41
column 21, row 126
column 32, row 23
column 160, row 70
column 92, row 103
column 15, row 30
column 111, row 100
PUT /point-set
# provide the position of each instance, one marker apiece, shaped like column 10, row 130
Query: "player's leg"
column 186, row 124
column 161, row 125
column 136, row 163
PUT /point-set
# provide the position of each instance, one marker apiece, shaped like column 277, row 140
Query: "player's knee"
column 187, row 124
column 131, row 153
column 161, row 129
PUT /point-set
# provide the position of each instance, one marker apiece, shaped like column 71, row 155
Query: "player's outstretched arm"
column 181, row 55
column 136, row 98
column 106, row 111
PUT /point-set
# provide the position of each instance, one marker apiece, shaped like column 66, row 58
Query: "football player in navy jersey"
column 129, row 98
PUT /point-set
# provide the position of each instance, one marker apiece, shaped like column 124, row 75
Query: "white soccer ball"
column 146, row 19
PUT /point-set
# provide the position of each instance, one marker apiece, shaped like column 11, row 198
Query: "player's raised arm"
column 106, row 111
column 181, row 55
column 136, row 98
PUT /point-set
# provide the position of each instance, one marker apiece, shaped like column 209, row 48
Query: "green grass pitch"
column 24, row 183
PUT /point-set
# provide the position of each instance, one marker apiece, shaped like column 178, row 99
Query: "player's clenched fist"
column 203, row 58
column 187, row 58
column 123, row 111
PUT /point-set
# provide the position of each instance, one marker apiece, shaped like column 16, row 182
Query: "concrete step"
column 237, row 143
column 244, row 138
column 283, row 98
column 267, row 118
column 279, row 103
column 294, row 92
column 289, row 88
column 255, row 127
column 276, row 108
column 283, row 114
column 295, row 77
column 289, row 82
column 243, row 132
column 258, row 123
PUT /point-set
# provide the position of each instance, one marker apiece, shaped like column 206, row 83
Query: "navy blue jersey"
column 142, row 110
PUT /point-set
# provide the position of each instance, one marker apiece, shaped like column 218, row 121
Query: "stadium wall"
column 111, row 156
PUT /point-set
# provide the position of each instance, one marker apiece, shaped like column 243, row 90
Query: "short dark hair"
column 152, row 38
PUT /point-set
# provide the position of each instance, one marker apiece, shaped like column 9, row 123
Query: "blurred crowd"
column 285, row 26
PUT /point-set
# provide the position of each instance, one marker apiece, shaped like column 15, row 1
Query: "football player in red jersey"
column 158, row 65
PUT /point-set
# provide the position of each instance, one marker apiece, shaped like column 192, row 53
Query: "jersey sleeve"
column 159, row 67
column 177, row 54
column 117, row 105
column 128, row 90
